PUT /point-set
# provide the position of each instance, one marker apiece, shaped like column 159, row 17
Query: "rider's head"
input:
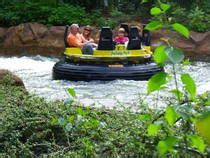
column 87, row 30
column 121, row 32
column 74, row 28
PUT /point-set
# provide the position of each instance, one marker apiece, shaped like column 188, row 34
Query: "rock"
column 2, row 35
column 2, row 32
column 53, row 38
column 196, row 47
column 33, row 39
column 24, row 34
column 14, row 78
column 199, row 37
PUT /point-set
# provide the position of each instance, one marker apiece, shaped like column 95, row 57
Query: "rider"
column 86, row 35
column 121, row 38
column 75, row 39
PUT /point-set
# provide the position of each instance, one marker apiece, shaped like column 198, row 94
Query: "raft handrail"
column 66, row 36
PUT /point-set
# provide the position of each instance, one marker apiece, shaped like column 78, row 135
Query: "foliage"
column 193, row 14
column 196, row 18
column 98, row 19
column 62, row 14
column 175, row 112
column 202, row 126
column 199, row 20
column 14, row 14
column 32, row 126
column 67, row 14
column 157, row 81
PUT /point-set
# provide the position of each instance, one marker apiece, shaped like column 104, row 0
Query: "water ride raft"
column 109, row 61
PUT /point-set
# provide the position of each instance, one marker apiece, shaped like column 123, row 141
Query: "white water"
column 36, row 75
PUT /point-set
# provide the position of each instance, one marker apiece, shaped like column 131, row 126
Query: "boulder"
column 24, row 34
column 33, row 39
column 2, row 35
column 2, row 32
column 196, row 47
column 53, row 38
column 14, row 78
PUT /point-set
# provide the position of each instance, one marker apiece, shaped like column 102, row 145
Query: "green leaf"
column 54, row 121
column 81, row 112
column 197, row 142
column 155, row 11
column 71, row 92
column 71, row 118
column 154, row 25
column 171, row 115
column 160, row 55
column 144, row 1
column 181, row 29
column 177, row 93
column 202, row 126
column 144, row 117
column 186, row 62
column 207, row 103
column 153, row 129
column 189, row 85
column 157, row 81
column 165, row 7
column 175, row 55
column 166, row 145
column 185, row 111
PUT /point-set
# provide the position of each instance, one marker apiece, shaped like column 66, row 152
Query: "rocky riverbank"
column 34, row 39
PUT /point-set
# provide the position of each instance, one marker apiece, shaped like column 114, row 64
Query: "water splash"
column 36, row 73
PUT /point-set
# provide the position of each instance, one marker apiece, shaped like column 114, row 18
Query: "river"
column 36, row 73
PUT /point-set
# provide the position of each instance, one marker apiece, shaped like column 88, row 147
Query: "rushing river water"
column 36, row 73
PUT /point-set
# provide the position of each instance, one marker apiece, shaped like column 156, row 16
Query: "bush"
column 62, row 14
column 32, row 126
column 15, row 14
column 97, row 19
column 67, row 14
column 198, row 20
column 195, row 18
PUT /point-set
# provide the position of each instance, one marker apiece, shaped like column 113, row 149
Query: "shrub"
column 15, row 14
column 33, row 127
column 67, row 14
column 62, row 14
column 97, row 19
column 196, row 19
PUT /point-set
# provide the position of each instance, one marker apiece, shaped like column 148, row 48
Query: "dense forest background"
column 195, row 14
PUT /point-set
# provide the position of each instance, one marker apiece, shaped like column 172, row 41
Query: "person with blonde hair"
column 121, row 38
column 86, row 35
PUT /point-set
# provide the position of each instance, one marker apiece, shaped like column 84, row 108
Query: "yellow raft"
column 109, row 61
